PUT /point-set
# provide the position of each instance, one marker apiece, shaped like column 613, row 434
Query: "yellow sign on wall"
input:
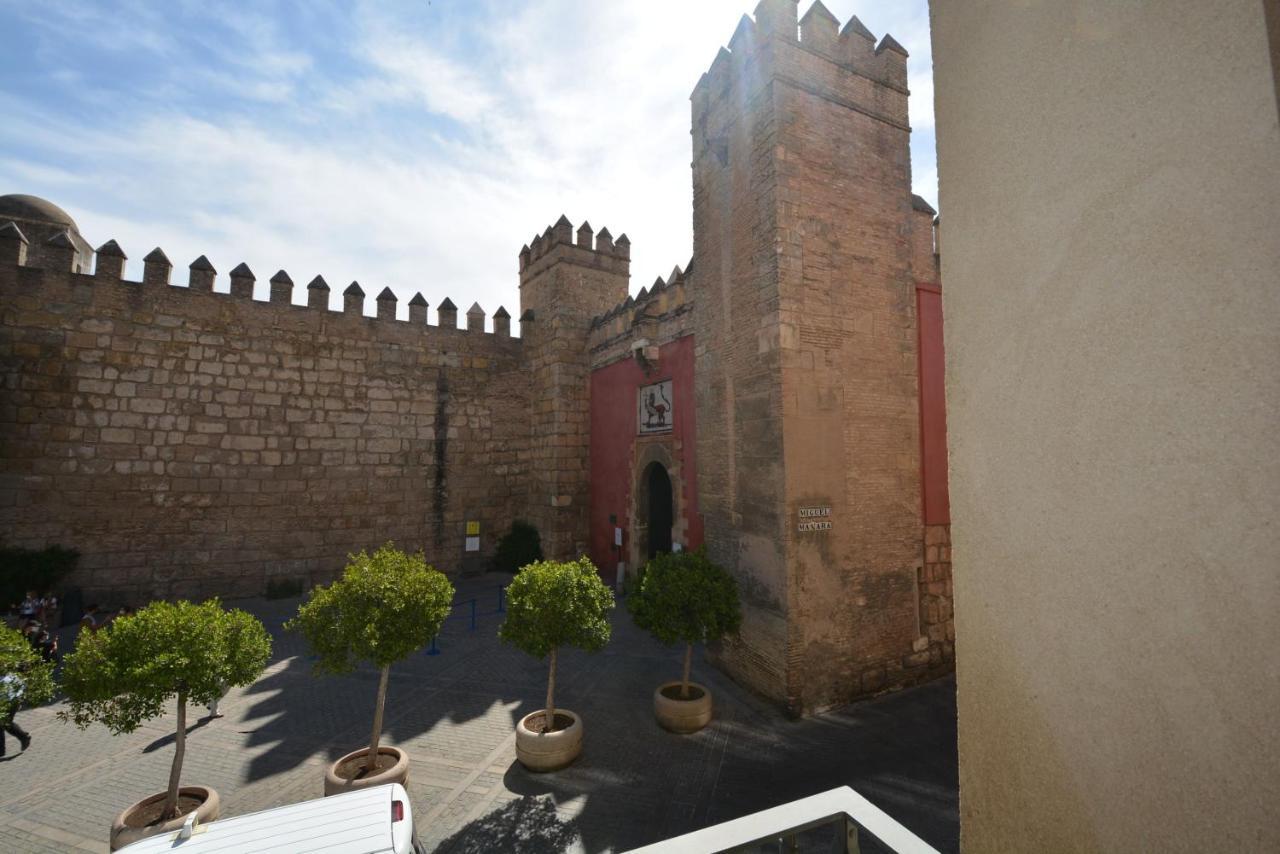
column 473, row 529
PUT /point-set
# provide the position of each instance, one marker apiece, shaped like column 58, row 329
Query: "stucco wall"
column 1110, row 177
column 615, row 458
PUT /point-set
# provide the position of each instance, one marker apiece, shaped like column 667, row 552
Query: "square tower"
column 566, row 279
column 808, row 430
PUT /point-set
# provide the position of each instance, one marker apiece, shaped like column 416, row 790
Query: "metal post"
column 473, row 615
column 434, row 649
column 502, row 591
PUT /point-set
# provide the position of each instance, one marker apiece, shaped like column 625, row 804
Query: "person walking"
column 213, row 707
column 12, row 690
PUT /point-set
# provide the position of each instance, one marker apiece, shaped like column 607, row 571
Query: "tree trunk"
column 371, row 763
column 684, row 682
column 549, row 716
column 175, row 771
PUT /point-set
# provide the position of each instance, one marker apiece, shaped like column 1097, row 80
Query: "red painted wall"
column 933, row 407
column 613, row 437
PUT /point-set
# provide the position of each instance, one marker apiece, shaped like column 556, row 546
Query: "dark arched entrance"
column 661, row 509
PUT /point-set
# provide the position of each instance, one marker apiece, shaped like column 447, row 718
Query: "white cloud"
column 449, row 145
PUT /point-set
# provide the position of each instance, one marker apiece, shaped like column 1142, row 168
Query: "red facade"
column 616, row 449
column 933, row 407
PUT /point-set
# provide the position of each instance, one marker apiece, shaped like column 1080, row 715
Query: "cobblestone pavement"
column 455, row 714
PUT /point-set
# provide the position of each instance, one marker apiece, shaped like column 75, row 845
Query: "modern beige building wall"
column 1110, row 177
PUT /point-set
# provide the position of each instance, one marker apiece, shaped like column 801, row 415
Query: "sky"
column 415, row 145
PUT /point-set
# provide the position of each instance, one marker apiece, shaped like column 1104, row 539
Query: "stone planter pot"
column 683, row 716
column 124, row 833
column 548, row 751
column 336, row 782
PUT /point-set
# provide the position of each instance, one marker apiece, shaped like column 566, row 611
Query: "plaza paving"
column 455, row 714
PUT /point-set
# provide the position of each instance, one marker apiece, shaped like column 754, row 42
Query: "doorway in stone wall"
column 659, row 509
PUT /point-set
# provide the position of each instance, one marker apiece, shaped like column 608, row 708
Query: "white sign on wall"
column 656, row 408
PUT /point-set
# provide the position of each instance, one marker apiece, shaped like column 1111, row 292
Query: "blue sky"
column 414, row 144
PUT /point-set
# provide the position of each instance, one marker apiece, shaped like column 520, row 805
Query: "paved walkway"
column 455, row 712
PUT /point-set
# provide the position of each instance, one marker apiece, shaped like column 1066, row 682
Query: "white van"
column 378, row 820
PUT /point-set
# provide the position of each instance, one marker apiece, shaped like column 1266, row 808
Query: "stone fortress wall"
column 190, row 442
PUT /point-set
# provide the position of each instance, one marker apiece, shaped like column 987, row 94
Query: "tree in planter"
column 685, row 598
column 127, row 672
column 386, row 606
column 552, row 604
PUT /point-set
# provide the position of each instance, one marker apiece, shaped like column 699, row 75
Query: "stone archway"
column 657, row 513
column 661, row 509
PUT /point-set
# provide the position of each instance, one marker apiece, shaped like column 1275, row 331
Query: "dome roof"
column 19, row 206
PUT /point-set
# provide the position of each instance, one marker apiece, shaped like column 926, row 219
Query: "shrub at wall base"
column 127, row 673
column 550, row 605
column 518, row 548
column 385, row 607
column 685, row 598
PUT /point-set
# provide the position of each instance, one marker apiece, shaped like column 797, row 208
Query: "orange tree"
column 125, row 673
column 385, row 606
column 685, row 598
column 551, row 604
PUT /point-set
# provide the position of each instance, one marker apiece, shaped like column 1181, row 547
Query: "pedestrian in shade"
column 12, row 690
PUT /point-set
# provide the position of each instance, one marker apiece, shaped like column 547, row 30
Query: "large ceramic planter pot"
column 548, row 751
column 131, row 825
column 680, row 715
column 393, row 768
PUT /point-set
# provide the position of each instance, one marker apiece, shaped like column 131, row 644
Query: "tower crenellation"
column 281, row 288
column 386, row 304
column 242, row 281
column 353, row 300
column 110, row 261
column 156, row 268
column 201, row 275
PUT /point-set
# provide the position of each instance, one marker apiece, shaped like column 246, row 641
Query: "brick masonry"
column 189, row 442
column 806, row 242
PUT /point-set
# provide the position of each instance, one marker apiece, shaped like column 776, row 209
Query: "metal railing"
column 782, row 828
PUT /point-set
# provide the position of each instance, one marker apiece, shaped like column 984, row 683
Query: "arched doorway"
column 660, row 509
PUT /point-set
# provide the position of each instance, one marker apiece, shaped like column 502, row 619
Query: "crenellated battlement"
column 653, row 306
column 559, row 242
column 58, row 256
column 775, row 45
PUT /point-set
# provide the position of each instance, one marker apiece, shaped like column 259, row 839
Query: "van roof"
column 352, row 823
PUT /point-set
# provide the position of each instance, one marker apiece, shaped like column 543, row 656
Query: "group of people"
column 35, row 614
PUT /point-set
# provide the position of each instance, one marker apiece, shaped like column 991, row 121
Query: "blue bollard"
column 473, row 615
column 501, row 592
column 434, row 649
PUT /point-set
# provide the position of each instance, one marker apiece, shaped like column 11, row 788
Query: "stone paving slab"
column 455, row 714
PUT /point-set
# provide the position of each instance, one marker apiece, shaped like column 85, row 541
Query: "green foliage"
column 284, row 588
column 385, row 606
column 35, row 675
column 685, row 598
column 518, row 548
column 28, row 569
column 552, row 604
column 125, row 673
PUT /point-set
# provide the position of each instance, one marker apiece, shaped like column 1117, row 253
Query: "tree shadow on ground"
column 166, row 740
column 295, row 713
column 529, row 825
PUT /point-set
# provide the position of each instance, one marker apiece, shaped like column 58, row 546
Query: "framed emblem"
column 656, row 408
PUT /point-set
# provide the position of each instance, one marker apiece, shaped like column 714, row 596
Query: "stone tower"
column 807, row 405
column 566, row 279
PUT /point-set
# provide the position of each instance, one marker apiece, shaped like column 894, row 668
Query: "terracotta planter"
column 548, row 751
column 122, row 834
column 336, row 784
column 679, row 715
